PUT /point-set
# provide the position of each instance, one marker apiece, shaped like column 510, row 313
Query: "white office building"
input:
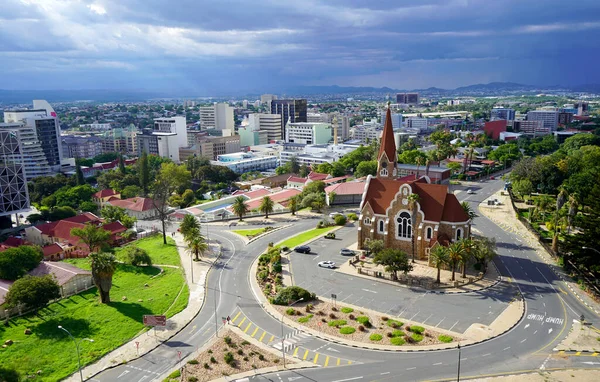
column 308, row 133
column 548, row 117
column 246, row 162
column 271, row 123
column 173, row 125
column 396, row 119
column 165, row 139
column 218, row 116
column 417, row 123
column 316, row 154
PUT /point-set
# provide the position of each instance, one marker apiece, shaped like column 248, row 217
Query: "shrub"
column 175, row 374
column 290, row 311
column 262, row 275
column 293, row 293
column 193, row 361
column 352, row 216
column 332, row 316
column 416, row 329
column 384, row 318
column 340, row 220
column 213, row 360
column 375, row 337
column 137, row 256
column 265, row 258
column 206, row 366
column 309, row 307
column 304, row 320
column 227, row 340
column 228, row 357
column 209, row 351
column 409, row 339
column 277, row 268
column 363, row 320
column 417, row 337
column 323, row 320
column 285, row 248
column 321, row 313
column 361, row 328
column 334, row 309
column 351, row 316
column 246, row 359
column 445, row 339
column 347, row 330
column 407, row 328
column 276, row 360
column 398, row 341
column 393, row 323
column 192, row 379
column 347, row 310
column 397, row 333
column 337, row 323
column 240, row 352
column 244, row 342
column 389, row 334
column 261, row 357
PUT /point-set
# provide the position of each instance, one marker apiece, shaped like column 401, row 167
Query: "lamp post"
column 76, row 347
column 591, row 249
column 282, row 337
column 458, row 372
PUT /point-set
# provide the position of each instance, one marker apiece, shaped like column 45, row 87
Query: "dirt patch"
column 356, row 325
column 212, row 363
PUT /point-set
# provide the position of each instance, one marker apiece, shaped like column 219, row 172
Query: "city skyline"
column 237, row 46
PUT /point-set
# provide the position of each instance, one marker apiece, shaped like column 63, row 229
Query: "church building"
column 394, row 209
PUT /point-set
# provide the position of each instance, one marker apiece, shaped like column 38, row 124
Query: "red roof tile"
column 347, row 188
column 295, row 179
column 318, row 176
column 105, row 193
column 51, row 249
column 134, row 204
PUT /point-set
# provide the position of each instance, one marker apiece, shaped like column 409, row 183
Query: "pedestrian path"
column 291, row 343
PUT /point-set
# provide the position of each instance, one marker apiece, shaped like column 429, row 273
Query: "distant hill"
column 26, row 96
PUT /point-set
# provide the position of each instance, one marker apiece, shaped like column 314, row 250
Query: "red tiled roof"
column 257, row 193
column 134, row 204
column 48, row 228
column 347, row 188
column 105, row 193
column 51, row 249
column 115, row 227
column 62, row 271
column 388, row 143
column 333, row 180
column 14, row 242
column 295, row 179
column 317, row 176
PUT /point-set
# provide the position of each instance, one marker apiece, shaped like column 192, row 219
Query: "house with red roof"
column 389, row 213
column 138, row 207
column 102, row 196
column 296, row 182
column 348, row 193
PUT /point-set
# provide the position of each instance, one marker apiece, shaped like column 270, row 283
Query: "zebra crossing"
column 291, row 340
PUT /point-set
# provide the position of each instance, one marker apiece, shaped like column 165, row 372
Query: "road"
column 549, row 311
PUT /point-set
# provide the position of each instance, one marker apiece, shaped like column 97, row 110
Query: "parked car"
column 346, row 252
column 302, row 249
column 492, row 177
column 326, row 264
column 330, row 235
column 469, row 191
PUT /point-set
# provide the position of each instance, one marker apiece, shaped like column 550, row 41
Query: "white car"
column 469, row 191
column 326, row 264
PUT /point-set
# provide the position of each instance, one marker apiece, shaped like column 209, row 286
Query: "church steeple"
column 388, row 158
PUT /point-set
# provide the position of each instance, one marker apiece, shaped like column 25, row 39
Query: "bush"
column 384, row 318
column 175, row 374
column 240, row 352
column 416, row 329
column 304, row 320
column 261, row 357
column 192, row 379
column 285, row 248
column 340, row 220
column 291, row 294
column 332, row 316
column 347, row 310
column 262, row 275
column 206, row 366
column 213, row 360
column 227, row 340
column 137, row 256
column 393, row 323
column 417, row 337
column 363, row 320
column 265, row 258
column 352, row 216
column 244, row 343
column 375, row 337
column 407, row 328
column 409, row 339
column 298, row 313
column 277, row 268
column 389, row 334
column 351, row 316
column 347, row 330
column 193, row 361
column 361, row 328
column 337, row 323
column 290, row 311
column 398, row 341
column 228, row 357
column 445, row 339
column 397, row 333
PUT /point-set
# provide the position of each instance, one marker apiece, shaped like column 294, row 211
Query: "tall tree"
column 394, row 260
column 16, row 262
column 79, row 174
column 93, row 236
column 413, row 203
column 468, row 253
column 455, row 252
column 32, row 291
column 103, row 266
column 266, row 206
column 144, row 173
column 189, row 224
column 293, row 204
column 114, row 213
column 169, row 178
column 122, row 164
column 197, row 246
column 560, row 202
column 240, row 208
column 374, row 246
column 439, row 257
column 468, row 209
column 485, row 251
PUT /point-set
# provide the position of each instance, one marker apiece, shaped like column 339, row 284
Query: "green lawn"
column 160, row 253
column 249, row 232
column 50, row 350
column 305, row 236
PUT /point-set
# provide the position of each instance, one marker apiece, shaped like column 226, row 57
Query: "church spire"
column 387, row 158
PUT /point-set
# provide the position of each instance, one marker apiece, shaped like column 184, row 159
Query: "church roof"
column 388, row 143
column 435, row 201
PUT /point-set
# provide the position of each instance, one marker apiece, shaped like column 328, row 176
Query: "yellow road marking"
column 248, row 327
column 316, row 357
column 241, row 322
column 271, row 339
column 295, row 352
column 578, row 353
column 236, row 317
column 561, row 352
column 338, row 362
column 595, row 354
column 254, row 332
column 326, row 361
column 305, row 355
column 349, row 362
column 562, row 291
column 262, row 336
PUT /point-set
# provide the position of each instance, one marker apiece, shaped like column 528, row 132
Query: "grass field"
column 50, row 350
column 305, row 236
column 249, row 232
column 160, row 253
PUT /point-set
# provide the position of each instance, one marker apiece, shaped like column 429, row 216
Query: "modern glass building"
column 14, row 197
column 291, row 110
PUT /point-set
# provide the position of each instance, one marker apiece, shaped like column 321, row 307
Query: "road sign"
column 155, row 320
column 333, row 295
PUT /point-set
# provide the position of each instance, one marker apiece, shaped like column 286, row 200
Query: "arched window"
column 383, row 172
column 429, row 232
column 367, row 221
column 458, row 234
column 404, row 225
column 381, row 225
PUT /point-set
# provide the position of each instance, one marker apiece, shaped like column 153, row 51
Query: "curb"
column 248, row 241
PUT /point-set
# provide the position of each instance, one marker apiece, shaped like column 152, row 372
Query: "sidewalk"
column 505, row 216
column 151, row 339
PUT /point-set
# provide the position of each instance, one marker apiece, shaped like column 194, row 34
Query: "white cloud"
column 97, row 9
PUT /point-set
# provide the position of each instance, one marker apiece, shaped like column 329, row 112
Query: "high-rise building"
column 549, row 117
column 120, row 140
column 502, row 113
column 271, row 123
column 218, row 116
column 396, row 119
column 34, row 158
column 267, row 98
column 211, row 147
column 14, row 196
column 81, row 146
column 417, row 123
column 165, row 140
column 291, row 110
column 308, row 133
column 530, row 128
column 407, row 98
column 564, row 118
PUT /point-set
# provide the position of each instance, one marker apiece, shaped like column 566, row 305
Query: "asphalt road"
column 549, row 310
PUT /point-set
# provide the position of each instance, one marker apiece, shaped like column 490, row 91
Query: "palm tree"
column 103, row 266
column 266, row 206
column 468, row 209
column 485, row 251
column 542, row 205
column 455, row 253
column 419, row 162
column 560, row 202
column 293, row 205
column 468, row 252
column 189, row 223
column 413, row 202
column 439, row 257
column 240, row 208
column 197, row 245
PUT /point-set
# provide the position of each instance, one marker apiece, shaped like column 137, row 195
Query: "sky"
column 234, row 46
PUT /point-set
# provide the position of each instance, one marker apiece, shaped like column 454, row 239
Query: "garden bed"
column 356, row 325
column 252, row 233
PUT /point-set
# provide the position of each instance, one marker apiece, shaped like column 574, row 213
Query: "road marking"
column 254, row 332
column 123, row 373
column 347, row 297
column 485, row 355
column 248, row 327
column 440, row 322
column 305, row 355
column 241, row 322
column 370, row 291
column 295, row 352
column 506, row 348
column 236, row 317
column 436, row 364
column 349, row 362
column 414, row 315
column 524, row 339
column 386, row 373
column 263, row 335
column 326, row 362
column 410, row 368
column 271, row 339
column 348, row 379
column 316, row 357
column 453, row 326
column 338, row 362
column 535, row 332
column 578, row 353
column 333, row 350
column 526, row 326
column 427, row 318
column 549, row 330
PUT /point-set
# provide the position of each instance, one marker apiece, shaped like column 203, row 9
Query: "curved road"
column 549, row 311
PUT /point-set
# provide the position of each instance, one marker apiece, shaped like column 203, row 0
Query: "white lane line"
column 524, row 339
column 440, row 322
column 427, row 318
column 506, row 348
column 414, row 315
column 348, row 379
column 347, row 297
column 410, row 368
column 387, row 372
column 535, row 332
column 370, row 291
column 453, row 326
column 436, row 364
column 485, row 355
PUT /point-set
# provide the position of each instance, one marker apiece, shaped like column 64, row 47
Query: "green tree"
column 366, row 168
column 169, row 179
column 439, row 257
column 197, row 246
column 410, row 156
column 561, row 199
column 455, row 253
column 189, row 224
column 319, row 202
column 188, row 198
column 114, row 213
column 103, row 266
column 454, row 167
column 137, row 256
column 293, row 204
column 79, row 175
column 485, row 251
column 394, row 260
column 468, row 253
column 239, row 207
column 33, row 292
column 577, row 141
column 122, row 165
column 131, row 191
column 9, row 375
column 374, row 246
column 16, row 262
column 88, row 207
column 144, row 173
column 266, row 206
column 93, row 236
column 523, row 187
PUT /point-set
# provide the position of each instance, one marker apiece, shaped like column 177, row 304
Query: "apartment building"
column 548, row 117
column 308, row 133
column 218, row 116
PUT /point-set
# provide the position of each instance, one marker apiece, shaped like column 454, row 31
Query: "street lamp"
column 591, row 249
column 77, row 347
column 458, row 372
column 282, row 337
